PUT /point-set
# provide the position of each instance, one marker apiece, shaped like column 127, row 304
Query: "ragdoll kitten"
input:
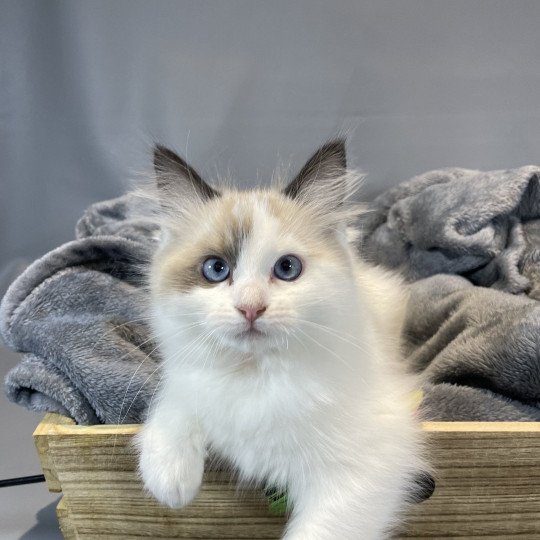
column 280, row 351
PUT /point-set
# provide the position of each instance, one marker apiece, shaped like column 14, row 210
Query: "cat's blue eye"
column 215, row 270
column 288, row 268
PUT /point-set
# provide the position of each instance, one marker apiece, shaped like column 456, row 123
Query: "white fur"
column 320, row 406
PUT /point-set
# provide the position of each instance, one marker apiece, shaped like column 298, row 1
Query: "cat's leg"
column 347, row 512
column 172, row 453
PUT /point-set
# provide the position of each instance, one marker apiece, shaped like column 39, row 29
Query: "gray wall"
column 86, row 85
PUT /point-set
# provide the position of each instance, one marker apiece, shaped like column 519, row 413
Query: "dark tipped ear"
column 173, row 174
column 327, row 163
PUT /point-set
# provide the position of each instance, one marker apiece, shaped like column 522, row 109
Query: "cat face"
column 253, row 271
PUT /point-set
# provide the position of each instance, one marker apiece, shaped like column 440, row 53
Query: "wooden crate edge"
column 67, row 526
column 56, row 424
column 43, row 431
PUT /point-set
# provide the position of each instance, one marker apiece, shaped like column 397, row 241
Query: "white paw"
column 172, row 474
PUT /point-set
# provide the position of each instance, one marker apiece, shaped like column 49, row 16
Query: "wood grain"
column 41, row 434
column 487, row 486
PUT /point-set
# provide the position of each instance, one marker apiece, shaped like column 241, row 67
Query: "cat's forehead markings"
column 237, row 225
column 295, row 220
column 239, row 209
column 265, row 231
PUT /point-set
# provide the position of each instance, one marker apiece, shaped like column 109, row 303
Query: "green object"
column 277, row 501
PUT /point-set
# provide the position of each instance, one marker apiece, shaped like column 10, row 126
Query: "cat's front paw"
column 173, row 475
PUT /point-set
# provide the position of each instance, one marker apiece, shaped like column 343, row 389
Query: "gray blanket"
column 78, row 313
column 477, row 346
column 481, row 225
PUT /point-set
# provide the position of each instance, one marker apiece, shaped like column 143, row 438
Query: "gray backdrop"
column 85, row 86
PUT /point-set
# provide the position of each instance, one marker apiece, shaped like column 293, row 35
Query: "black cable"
column 21, row 480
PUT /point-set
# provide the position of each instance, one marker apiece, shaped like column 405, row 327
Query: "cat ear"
column 321, row 179
column 174, row 176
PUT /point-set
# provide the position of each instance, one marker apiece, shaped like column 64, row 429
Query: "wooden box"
column 487, row 486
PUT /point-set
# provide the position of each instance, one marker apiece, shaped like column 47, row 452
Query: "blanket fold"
column 446, row 231
column 79, row 315
column 482, row 225
column 468, row 243
column 478, row 349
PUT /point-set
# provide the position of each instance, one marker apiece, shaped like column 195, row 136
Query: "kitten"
column 280, row 351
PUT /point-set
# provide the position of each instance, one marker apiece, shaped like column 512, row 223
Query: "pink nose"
column 251, row 312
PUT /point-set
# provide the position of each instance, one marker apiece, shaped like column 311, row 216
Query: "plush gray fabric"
column 79, row 312
column 483, row 225
column 478, row 347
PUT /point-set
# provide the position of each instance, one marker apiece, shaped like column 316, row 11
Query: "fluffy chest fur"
column 274, row 422
column 261, row 423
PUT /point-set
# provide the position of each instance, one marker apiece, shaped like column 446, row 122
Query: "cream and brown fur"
column 309, row 397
